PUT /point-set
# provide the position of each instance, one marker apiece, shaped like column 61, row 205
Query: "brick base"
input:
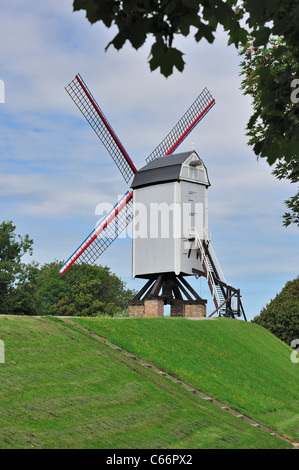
column 177, row 309
column 154, row 308
column 195, row 310
column 187, row 308
column 136, row 309
column 146, row 308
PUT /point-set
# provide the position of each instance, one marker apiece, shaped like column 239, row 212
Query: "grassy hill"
column 238, row 363
column 61, row 388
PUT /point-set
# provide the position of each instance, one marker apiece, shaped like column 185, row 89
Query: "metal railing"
column 206, row 266
column 213, row 255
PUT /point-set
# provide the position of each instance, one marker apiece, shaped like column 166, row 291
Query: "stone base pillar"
column 136, row 309
column 177, row 309
column 186, row 308
column 146, row 308
column 154, row 308
column 195, row 310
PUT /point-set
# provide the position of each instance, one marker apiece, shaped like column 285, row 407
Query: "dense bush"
column 87, row 291
column 281, row 315
column 31, row 289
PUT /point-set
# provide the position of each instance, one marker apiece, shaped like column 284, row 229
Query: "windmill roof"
column 164, row 169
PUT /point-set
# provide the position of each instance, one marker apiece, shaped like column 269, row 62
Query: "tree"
column 23, row 294
column 50, row 288
column 164, row 19
column 290, row 171
column 281, row 315
column 13, row 273
column 31, row 289
column 258, row 63
column 268, row 21
column 91, row 291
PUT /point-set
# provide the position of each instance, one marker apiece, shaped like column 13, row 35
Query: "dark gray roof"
column 161, row 170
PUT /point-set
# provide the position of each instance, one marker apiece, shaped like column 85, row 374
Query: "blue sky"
column 54, row 171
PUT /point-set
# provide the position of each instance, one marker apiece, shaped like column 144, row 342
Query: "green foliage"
column 91, row 291
column 268, row 71
column 23, row 299
column 289, row 170
column 270, row 67
column 163, row 20
column 273, row 64
column 30, row 289
column 50, row 288
column 13, row 273
column 281, row 315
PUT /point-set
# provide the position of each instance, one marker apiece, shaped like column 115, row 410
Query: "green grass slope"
column 61, row 388
column 238, row 363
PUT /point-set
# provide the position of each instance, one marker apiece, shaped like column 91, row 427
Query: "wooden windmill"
column 177, row 183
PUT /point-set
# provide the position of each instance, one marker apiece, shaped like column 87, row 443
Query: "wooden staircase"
column 222, row 293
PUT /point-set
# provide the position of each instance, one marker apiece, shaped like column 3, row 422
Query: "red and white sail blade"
column 201, row 106
column 82, row 97
column 104, row 234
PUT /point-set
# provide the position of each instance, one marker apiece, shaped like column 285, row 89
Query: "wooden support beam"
column 220, row 306
column 242, row 309
column 157, row 286
column 185, row 292
column 177, row 292
column 198, row 273
column 144, row 289
column 187, row 285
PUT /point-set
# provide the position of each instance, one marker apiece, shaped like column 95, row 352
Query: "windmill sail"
column 104, row 234
column 121, row 215
column 201, row 106
column 84, row 100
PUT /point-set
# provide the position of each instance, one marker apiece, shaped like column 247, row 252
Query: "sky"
column 54, row 171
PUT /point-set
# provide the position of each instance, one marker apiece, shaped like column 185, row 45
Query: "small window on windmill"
column 189, row 172
column 194, row 171
column 185, row 171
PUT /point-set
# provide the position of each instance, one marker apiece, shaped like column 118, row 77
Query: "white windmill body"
column 168, row 207
column 170, row 202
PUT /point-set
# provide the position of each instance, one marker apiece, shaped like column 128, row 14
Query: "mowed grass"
column 61, row 388
column 238, row 363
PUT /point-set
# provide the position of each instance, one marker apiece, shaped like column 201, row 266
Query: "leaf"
column 261, row 36
column 166, row 58
column 118, row 41
column 223, row 13
column 137, row 35
column 205, row 31
column 97, row 11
